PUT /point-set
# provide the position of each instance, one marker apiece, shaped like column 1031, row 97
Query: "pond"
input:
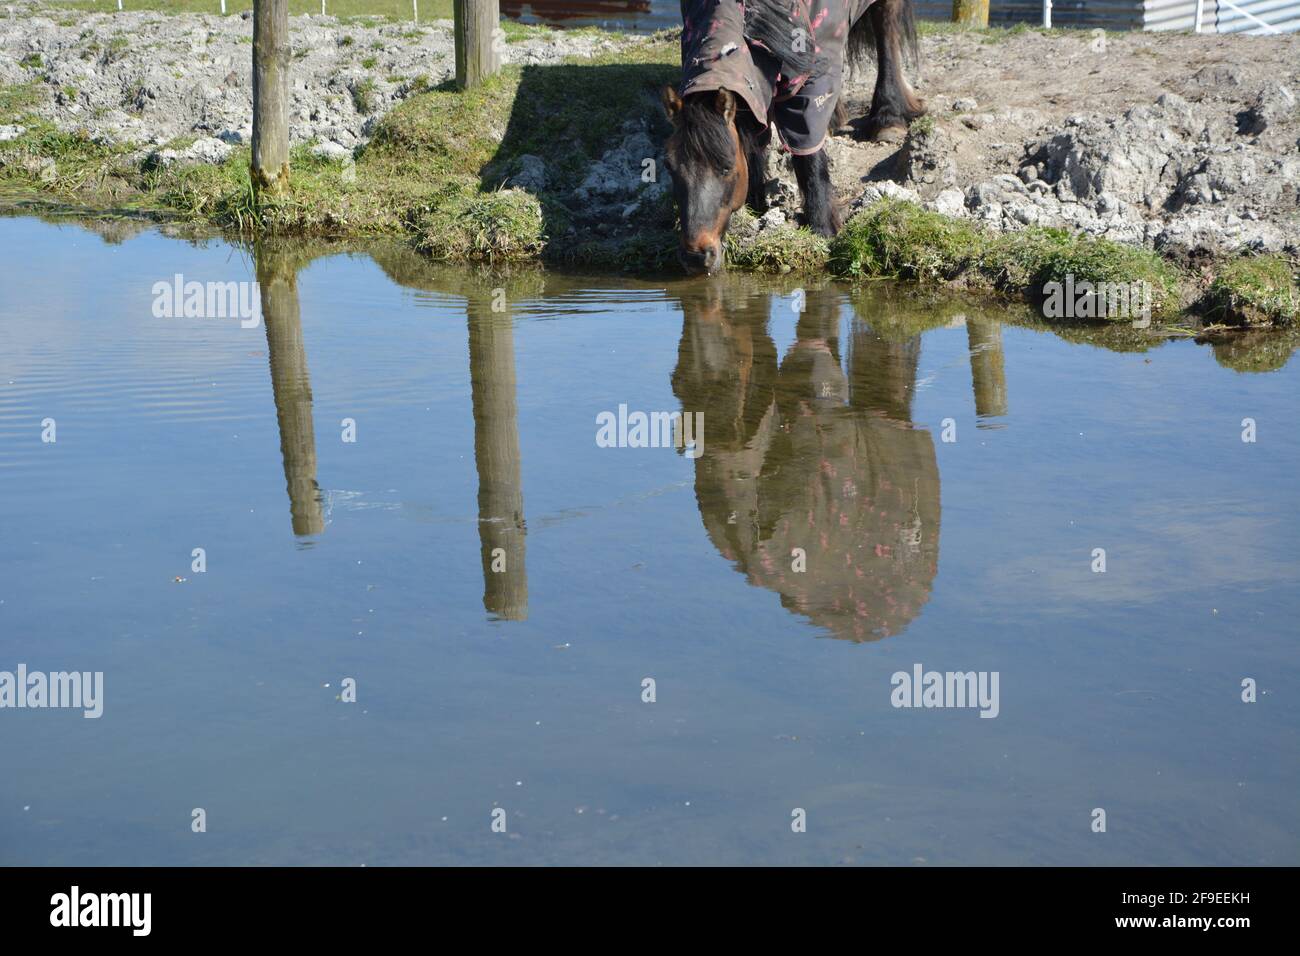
column 637, row 16
column 390, row 570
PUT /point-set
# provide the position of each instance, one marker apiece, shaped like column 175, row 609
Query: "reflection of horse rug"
column 784, row 58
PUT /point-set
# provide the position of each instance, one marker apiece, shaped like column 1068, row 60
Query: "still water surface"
column 476, row 430
column 637, row 16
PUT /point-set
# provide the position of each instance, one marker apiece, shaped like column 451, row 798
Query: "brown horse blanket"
column 795, row 87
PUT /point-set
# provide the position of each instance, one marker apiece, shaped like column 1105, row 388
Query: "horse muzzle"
column 703, row 260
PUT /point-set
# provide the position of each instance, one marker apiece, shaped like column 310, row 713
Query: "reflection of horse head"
column 804, row 458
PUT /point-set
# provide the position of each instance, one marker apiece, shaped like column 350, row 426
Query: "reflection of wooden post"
column 882, row 372
column 291, row 384
column 972, row 13
column 496, row 453
column 987, row 367
column 475, row 23
column 270, row 166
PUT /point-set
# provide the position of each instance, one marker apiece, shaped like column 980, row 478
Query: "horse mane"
column 702, row 132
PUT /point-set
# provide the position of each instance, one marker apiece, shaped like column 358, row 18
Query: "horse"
column 750, row 64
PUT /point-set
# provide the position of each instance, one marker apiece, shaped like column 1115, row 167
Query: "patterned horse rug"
column 783, row 58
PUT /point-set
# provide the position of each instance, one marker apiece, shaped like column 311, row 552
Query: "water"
column 638, row 16
column 522, row 689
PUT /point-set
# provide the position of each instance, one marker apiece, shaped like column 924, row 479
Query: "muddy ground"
column 1186, row 144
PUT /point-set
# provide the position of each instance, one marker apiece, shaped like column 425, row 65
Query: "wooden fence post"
column 972, row 13
column 270, row 166
column 476, row 23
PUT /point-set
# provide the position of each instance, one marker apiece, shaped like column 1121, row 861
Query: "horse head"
column 707, row 158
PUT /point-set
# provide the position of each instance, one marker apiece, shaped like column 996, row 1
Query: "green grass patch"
column 384, row 10
column 777, row 250
column 58, row 161
column 463, row 223
column 17, row 101
column 1044, row 256
column 445, row 132
column 568, row 114
column 363, row 95
column 1255, row 290
column 933, row 28
column 895, row 239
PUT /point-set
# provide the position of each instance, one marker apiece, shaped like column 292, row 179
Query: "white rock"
column 332, row 151
column 950, row 202
column 208, row 150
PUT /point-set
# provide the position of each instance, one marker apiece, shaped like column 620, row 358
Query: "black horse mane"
column 702, row 132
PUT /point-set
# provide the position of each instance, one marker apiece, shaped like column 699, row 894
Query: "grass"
column 53, row 159
column 1026, row 261
column 363, row 95
column 395, row 10
column 986, row 34
column 16, row 101
column 463, row 223
column 1255, row 290
column 900, row 240
column 895, row 239
column 777, row 250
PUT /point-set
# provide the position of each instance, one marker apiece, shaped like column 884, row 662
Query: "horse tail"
column 861, row 47
column 769, row 25
column 911, row 46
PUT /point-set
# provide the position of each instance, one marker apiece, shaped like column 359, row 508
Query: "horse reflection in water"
column 800, row 454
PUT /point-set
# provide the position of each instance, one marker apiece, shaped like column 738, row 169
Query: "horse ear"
column 725, row 103
column 672, row 102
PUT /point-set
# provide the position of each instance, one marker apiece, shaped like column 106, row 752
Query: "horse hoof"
column 889, row 134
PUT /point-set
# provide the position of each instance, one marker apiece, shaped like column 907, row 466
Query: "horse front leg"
column 893, row 104
column 814, row 174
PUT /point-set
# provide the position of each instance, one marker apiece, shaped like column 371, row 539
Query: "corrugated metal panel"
column 1176, row 15
column 1108, row 14
column 1282, row 15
